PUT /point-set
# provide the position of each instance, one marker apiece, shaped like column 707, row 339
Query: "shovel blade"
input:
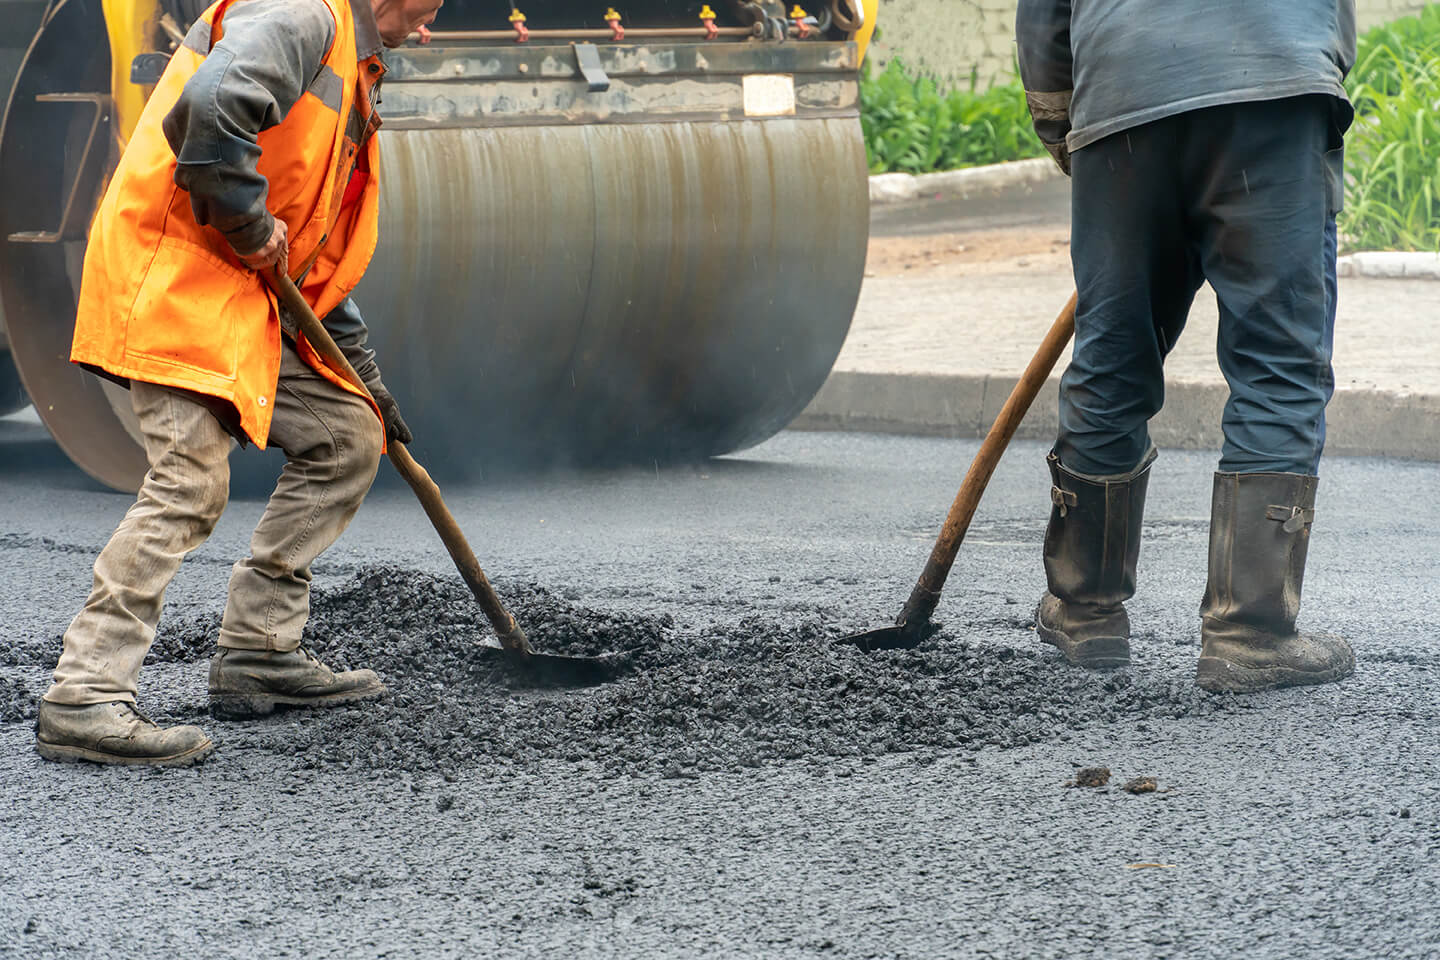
column 902, row 636
column 886, row 638
column 556, row 670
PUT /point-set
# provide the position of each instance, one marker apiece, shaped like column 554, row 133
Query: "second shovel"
column 913, row 625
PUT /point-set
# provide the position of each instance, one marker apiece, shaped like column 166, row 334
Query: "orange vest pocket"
column 190, row 308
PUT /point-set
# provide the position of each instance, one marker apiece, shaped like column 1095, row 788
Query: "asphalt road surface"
column 748, row 790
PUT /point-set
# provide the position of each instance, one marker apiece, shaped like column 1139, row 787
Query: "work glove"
column 1060, row 153
column 395, row 429
column 1050, row 113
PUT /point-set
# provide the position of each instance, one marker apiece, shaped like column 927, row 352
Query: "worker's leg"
column 1136, row 277
column 88, row 713
column 1263, row 212
column 180, row 500
column 1332, row 296
column 332, row 442
column 1265, row 208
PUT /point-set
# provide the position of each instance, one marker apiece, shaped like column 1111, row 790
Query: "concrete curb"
column 1360, row 423
column 886, row 188
column 899, row 187
column 1390, row 264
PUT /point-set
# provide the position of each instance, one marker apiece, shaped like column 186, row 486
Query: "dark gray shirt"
column 1093, row 68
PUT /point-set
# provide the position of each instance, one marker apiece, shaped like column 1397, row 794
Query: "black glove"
column 1050, row 113
column 395, row 429
column 1060, row 153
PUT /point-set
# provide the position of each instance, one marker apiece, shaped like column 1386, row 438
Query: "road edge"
column 1390, row 265
column 900, row 187
column 1360, row 422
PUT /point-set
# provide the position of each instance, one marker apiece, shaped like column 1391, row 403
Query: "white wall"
column 949, row 38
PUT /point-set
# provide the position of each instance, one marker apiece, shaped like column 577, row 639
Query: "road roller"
column 608, row 235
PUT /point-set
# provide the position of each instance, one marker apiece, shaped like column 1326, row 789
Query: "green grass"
column 911, row 127
column 1392, row 195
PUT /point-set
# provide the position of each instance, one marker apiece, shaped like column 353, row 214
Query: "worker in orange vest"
column 257, row 151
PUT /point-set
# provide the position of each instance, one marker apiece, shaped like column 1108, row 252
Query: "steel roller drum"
column 615, row 292
column 661, row 270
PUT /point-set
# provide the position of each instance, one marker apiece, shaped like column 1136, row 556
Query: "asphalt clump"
column 1091, row 777
column 1140, row 785
column 715, row 697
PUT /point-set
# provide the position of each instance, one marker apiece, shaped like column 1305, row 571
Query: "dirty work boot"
column 114, row 732
column 252, row 683
column 1259, row 538
column 1091, row 547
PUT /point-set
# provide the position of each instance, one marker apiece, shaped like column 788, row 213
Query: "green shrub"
column 911, row 127
column 1392, row 196
column 1385, row 54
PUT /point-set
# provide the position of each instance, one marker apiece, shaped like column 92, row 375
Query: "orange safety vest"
column 164, row 300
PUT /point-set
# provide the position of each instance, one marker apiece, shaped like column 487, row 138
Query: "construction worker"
column 1204, row 142
column 256, row 152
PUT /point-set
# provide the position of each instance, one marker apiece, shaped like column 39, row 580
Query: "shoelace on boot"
column 320, row 665
column 305, row 651
column 138, row 715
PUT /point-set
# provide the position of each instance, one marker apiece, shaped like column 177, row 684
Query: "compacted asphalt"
column 746, row 789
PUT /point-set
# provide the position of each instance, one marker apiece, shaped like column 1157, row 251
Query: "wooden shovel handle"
column 512, row 637
column 926, row 595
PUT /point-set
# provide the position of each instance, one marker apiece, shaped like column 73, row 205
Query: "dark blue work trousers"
column 1244, row 196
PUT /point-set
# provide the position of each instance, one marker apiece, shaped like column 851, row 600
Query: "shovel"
column 514, row 646
column 913, row 625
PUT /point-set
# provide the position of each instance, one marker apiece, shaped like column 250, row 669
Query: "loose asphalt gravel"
column 747, row 789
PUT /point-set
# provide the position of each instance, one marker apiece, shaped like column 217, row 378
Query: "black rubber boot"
column 1259, row 538
column 1091, row 548
column 252, row 683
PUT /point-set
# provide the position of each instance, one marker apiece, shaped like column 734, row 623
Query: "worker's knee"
column 1265, row 437
column 1102, row 453
column 1103, row 431
column 212, row 493
column 194, row 488
column 359, row 437
column 205, row 493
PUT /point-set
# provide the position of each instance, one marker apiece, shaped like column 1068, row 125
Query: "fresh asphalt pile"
column 715, row 697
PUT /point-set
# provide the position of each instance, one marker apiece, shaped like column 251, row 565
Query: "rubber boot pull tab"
column 1295, row 518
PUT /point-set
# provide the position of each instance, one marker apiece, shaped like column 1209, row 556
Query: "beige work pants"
column 332, row 444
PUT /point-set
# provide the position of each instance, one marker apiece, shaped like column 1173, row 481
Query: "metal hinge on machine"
column 75, row 208
column 147, row 68
column 588, row 59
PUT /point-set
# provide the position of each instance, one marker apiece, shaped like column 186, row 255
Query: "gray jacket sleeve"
column 1042, row 37
column 267, row 57
column 348, row 328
